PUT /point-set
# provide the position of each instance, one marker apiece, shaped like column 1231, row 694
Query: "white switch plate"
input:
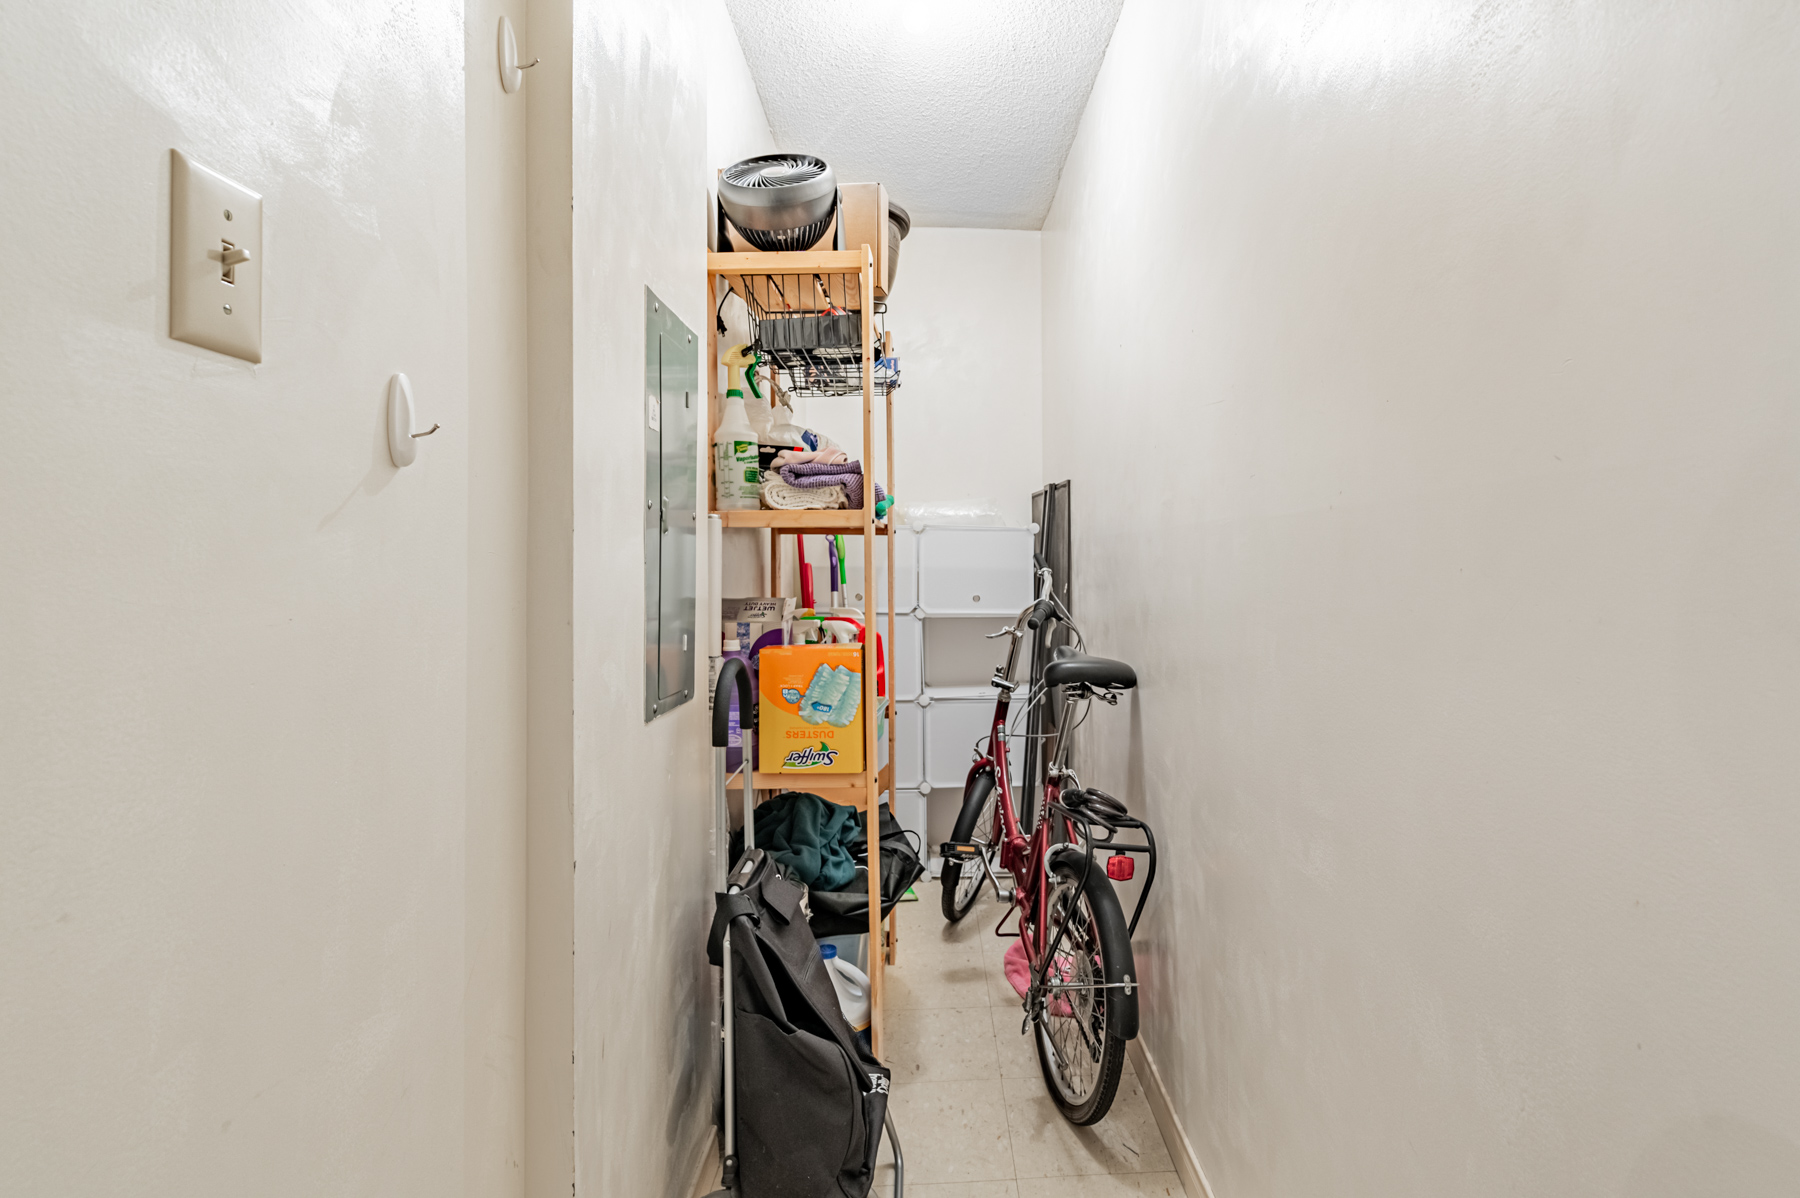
column 214, row 303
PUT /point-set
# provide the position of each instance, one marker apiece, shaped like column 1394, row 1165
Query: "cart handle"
column 734, row 670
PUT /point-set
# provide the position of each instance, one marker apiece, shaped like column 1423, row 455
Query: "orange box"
column 809, row 713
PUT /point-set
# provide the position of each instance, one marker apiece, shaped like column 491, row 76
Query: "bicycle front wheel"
column 1079, row 1043
column 974, row 823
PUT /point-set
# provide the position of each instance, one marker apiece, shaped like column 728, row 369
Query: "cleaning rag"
column 809, row 838
column 803, row 457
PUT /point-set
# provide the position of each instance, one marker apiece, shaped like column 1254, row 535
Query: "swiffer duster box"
column 808, row 719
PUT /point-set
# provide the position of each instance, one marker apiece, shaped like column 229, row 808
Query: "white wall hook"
column 403, row 443
column 512, row 74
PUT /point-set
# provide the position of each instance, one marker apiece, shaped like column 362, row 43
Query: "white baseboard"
column 1187, row 1164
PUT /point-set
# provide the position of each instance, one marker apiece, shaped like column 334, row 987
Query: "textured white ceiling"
column 964, row 108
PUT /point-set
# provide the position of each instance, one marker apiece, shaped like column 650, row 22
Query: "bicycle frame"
column 1025, row 855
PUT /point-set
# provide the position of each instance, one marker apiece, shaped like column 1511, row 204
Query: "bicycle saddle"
column 1068, row 668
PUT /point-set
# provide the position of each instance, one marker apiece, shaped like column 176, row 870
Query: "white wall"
column 642, row 793
column 736, row 129
column 968, row 421
column 622, row 870
column 495, row 834
column 736, row 126
column 1426, row 377
column 232, row 756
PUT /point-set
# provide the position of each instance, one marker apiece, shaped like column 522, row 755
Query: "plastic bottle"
column 762, row 413
column 737, row 482
column 852, row 986
column 784, row 433
column 747, row 363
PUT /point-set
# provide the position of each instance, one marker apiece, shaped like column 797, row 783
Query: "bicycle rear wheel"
column 975, row 822
column 1079, row 1046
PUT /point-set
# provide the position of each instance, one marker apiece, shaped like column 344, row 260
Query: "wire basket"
column 808, row 326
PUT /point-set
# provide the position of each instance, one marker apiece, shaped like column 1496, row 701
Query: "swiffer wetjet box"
column 808, row 715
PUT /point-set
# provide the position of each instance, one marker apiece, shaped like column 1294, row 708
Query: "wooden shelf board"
column 847, row 789
column 807, row 261
column 828, row 520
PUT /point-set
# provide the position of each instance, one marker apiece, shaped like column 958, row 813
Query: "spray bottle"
column 737, row 482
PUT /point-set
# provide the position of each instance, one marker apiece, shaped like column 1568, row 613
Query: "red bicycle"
column 1081, row 1001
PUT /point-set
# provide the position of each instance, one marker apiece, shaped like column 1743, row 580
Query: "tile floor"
column 968, row 1099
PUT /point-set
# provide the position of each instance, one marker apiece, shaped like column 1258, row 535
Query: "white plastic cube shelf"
column 906, row 657
column 954, row 722
column 974, row 571
column 909, row 809
column 909, row 744
column 957, row 652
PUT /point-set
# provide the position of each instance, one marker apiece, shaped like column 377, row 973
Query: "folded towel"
column 801, row 457
column 783, row 497
column 847, row 475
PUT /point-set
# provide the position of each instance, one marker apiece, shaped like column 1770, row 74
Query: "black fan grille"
column 779, row 172
column 778, row 241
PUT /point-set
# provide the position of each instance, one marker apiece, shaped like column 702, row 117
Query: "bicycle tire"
column 977, row 812
column 1104, row 938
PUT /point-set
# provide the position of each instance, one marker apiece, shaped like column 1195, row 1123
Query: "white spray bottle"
column 737, row 481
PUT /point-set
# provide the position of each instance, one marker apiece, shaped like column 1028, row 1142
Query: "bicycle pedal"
column 1008, row 895
column 959, row 850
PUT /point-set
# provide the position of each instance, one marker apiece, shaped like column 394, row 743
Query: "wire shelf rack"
column 808, row 326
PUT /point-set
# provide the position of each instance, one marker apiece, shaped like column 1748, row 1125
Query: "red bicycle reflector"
column 1119, row 867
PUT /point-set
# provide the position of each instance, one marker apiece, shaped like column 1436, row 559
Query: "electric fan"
column 779, row 202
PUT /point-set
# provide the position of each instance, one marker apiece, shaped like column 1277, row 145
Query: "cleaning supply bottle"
column 747, row 362
column 852, row 986
column 737, row 482
column 784, row 433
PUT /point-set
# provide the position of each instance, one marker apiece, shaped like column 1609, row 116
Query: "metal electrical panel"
column 671, row 418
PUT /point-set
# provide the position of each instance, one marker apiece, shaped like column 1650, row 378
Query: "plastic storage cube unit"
column 906, row 656
column 955, row 723
column 974, row 571
column 909, row 744
column 909, row 809
column 958, row 653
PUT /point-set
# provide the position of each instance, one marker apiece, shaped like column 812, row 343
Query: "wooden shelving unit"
column 831, row 278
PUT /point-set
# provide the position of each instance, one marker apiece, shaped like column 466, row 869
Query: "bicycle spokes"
column 1072, row 1003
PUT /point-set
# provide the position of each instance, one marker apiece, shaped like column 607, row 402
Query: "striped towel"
column 848, row 475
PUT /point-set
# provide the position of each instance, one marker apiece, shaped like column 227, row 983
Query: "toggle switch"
column 215, row 261
column 229, row 256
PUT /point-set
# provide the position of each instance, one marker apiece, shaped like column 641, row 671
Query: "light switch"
column 215, row 261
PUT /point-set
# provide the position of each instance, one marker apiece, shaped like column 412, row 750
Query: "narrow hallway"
column 968, row 1095
column 410, row 413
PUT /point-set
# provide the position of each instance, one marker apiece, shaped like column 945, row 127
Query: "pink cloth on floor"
column 1018, row 974
column 1018, row 967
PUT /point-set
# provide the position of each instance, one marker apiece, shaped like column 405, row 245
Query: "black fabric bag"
column 810, row 1099
column 846, row 912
